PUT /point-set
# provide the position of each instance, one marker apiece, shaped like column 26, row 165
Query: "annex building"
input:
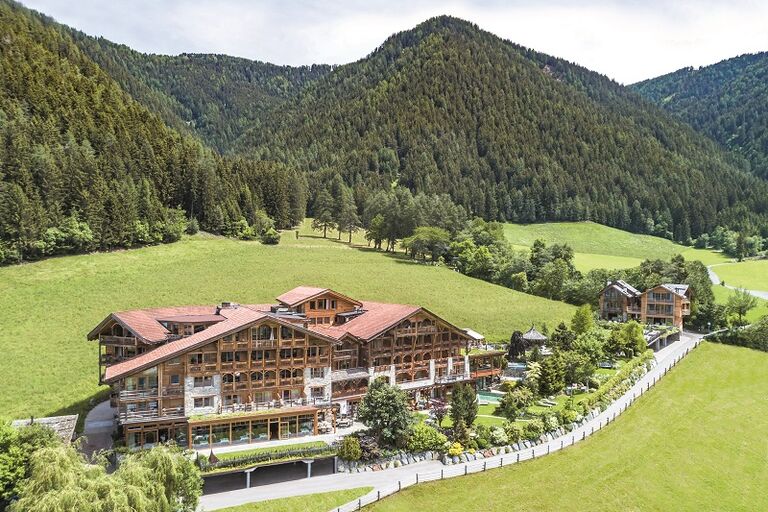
column 665, row 304
column 240, row 373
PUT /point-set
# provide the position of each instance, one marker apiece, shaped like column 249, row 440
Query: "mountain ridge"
column 728, row 101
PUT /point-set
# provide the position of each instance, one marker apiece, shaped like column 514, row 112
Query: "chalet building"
column 665, row 304
column 228, row 374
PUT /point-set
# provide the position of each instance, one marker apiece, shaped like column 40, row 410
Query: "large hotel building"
column 240, row 373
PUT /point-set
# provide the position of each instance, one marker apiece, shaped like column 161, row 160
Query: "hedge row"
column 620, row 383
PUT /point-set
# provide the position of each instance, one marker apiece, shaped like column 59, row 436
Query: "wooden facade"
column 276, row 372
column 665, row 304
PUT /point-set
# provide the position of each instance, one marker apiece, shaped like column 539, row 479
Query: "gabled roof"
column 302, row 294
column 145, row 323
column 678, row 289
column 236, row 319
column 623, row 287
column 378, row 317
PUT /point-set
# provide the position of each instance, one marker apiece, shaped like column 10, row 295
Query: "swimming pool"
column 486, row 396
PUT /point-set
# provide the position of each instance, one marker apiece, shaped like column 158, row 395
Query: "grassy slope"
column 747, row 274
column 602, row 246
column 721, row 297
column 695, row 442
column 48, row 307
column 320, row 502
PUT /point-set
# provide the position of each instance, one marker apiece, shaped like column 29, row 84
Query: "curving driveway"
column 390, row 481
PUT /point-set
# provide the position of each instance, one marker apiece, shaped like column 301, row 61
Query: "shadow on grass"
column 82, row 408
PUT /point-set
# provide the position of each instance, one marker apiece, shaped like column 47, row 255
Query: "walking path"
column 390, row 481
column 716, row 280
column 99, row 425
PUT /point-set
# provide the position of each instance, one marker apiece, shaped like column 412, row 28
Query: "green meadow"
column 48, row 307
column 598, row 246
column 721, row 297
column 320, row 502
column 752, row 275
column 694, row 442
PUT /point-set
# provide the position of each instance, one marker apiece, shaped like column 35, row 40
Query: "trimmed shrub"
column 350, row 449
column 514, row 432
column 455, row 450
column 499, row 436
column 533, row 429
column 425, row 438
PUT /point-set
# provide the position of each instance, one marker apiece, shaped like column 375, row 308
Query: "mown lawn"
column 721, row 297
column 695, row 442
column 48, row 367
column 271, row 449
column 321, row 502
column 598, row 246
column 752, row 275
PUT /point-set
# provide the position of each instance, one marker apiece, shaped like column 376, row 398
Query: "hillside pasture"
column 48, row 307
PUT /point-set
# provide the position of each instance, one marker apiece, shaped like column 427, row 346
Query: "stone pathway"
column 99, row 425
column 391, row 480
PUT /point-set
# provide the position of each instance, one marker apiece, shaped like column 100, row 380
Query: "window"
column 204, row 401
column 196, row 359
column 333, row 304
column 175, row 360
column 227, row 357
column 322, row 304
column 241, row 356
column 257, row 355
column 286, row 333
column 199, row 327
column 317, row 392
column 317, row 373
column 232, row 399
column 285, row 353
column 311, row 304
column 313, row 351
column 297, row 353
column 264, row 332
column 210, row 358
column 201, row 382
column 175, row 380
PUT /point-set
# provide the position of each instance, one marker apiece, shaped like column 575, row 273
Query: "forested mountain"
column 83, row 165
column 510, row 134
column 217, row 97
column 728, row 101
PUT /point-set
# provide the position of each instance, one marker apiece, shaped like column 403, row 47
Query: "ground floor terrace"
column 230, row 429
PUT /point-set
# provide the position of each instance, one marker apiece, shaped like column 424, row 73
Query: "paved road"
column 388, row 481
column 99, row 425
column 716, row 280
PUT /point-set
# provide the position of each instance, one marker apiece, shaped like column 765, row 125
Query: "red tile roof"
column 378, row 317
column 236, row 318
column 300, row 294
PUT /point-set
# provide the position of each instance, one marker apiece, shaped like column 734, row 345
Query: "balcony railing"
column 450, row 378
column 173, row 391
column 132, row 416
column 292, row 381
column 274, row 404
column 265, row 344
column 138, row 394
column 129, row 341
column 202, row 368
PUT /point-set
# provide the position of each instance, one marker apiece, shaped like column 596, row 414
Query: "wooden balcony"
column 202, row 368
column 265, row 344
column 293, row 381
column 151, row 414
column 122, row 341
column 173, row 391
column 138, row 394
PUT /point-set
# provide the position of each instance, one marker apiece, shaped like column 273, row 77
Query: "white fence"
column 501, row 460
